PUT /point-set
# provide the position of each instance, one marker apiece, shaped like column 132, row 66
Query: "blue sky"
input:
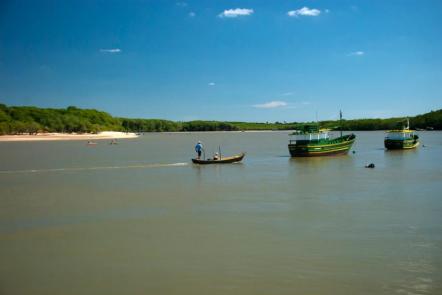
column 224, row 60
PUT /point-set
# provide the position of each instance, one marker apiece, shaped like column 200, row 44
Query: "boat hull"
column 337, row 146
column 397, row 144
column 226, row 160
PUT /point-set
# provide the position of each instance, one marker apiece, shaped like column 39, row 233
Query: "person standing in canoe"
column 198, row 149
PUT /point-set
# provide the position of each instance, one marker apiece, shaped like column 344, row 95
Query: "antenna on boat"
column 340, row 121
column 317, row 122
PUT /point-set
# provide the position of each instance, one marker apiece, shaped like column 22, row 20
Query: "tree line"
column 31, row 120
column 430, row 121
column 18, row 120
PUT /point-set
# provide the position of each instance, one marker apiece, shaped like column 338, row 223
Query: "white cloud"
column 287, row 93
column 357, row 53
column 305, row 11
column 271, row 105
column 111, row 50
column 211, row 84
column 192, row 14
column 181, row 4
column 231, row 13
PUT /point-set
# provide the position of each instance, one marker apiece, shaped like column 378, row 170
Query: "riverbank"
column 68, row 136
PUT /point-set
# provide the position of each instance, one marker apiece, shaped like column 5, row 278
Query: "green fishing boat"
column 312, row 141
column 401, row 139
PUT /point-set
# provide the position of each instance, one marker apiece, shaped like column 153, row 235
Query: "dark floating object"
column 371, row 165
column 354, row 152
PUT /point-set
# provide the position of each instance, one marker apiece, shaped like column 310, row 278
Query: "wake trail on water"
column 140, row 166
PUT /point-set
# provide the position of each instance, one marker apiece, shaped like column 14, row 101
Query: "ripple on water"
column 416, row 284
column 420, row 266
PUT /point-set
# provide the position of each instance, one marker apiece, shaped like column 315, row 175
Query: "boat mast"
column 340, row 121
column 317, row 123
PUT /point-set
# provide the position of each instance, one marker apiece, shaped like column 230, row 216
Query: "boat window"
column 311, row 136
column 399, row 135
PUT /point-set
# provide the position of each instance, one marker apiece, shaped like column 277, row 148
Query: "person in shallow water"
column 198, row 149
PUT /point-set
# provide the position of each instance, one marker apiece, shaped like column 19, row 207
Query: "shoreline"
column 123, row 135
column 67, row 136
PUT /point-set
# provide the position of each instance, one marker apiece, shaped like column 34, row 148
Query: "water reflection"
column 321, row 162
column 216, row 173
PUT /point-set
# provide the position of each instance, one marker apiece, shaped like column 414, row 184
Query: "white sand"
column 67, row 136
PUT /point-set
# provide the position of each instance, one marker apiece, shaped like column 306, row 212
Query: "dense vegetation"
column 18, row 120
column 431, row 120
column 154, row 125
column 265, row 126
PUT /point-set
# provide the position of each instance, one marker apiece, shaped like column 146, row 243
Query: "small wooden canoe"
column 223, row 160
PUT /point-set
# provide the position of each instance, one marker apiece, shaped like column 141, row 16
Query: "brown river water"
column 139, row 218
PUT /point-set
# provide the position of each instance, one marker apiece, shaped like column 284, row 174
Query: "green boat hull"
column 318, row 148
column 399, row 144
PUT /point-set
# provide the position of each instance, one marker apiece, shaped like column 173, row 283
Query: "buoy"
column 354, row 152
column 371, row 165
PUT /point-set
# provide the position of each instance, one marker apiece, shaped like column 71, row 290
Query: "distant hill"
column 18, row 120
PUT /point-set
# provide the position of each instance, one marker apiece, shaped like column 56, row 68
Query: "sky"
column 280, row 60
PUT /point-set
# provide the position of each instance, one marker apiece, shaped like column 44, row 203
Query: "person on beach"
column 198, row 149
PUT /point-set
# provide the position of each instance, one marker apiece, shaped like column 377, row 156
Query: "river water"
column 139, row 218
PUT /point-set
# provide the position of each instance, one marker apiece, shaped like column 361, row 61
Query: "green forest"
column 32, row 120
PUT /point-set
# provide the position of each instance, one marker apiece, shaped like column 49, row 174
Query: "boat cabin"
column 400, row 134
column 310, row 133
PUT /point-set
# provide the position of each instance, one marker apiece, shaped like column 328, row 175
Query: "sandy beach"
column 68, row 136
